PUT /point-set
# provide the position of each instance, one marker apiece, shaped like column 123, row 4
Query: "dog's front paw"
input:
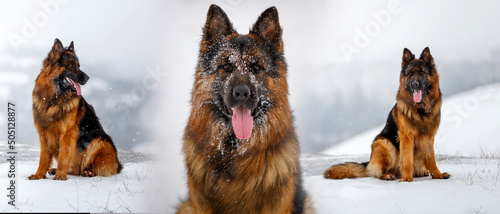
column 446, row 175
column 88, row 173
column 441, row 176
column 406, row 179
column 60, row 177
column 388, row 177
column 36, row 177
column 52, row 171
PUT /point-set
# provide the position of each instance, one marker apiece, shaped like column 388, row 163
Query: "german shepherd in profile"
column 240, row 146
column 67, row 125
column 405, row 147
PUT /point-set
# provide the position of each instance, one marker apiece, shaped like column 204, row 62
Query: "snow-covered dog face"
column 244, row 75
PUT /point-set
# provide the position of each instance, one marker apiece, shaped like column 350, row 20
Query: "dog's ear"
column 56, row 52
column 217, row 25
column 407, row 56
column 426, row 56
column 71, row 47
column 268, row 27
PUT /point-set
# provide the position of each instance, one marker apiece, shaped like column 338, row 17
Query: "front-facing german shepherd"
column 405, row 147
column 240, row 147
column 67, row 125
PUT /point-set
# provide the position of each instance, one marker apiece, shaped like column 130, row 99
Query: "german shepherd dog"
column 240, row 146
column 405, row 147
column 67, row 125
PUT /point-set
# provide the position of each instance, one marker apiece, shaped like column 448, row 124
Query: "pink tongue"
column 242, row 122
column 77, row 87
column 417, row 96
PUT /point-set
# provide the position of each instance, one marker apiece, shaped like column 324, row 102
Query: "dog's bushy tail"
column 347, row 170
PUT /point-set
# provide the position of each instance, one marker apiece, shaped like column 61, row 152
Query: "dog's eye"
column 256, row 68
column 228, row 67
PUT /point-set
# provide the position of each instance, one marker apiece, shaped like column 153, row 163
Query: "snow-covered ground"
column 137, row 189
column 473, row 188
column 467, row 147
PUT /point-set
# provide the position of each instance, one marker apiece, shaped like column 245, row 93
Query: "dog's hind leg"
column 383, row 159
column 185, row 208
column 52, row 171
column 419, row 168
column 99, row 159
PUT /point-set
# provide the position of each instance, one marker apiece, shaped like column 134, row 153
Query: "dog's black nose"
column 415, row 84
column 83, row 78
column 241, row 93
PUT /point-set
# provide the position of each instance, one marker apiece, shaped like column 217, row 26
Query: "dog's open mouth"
column 242, row 121
column 75, row 85
column 417, row 96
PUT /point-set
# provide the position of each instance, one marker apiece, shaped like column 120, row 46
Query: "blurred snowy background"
column 343, row 59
